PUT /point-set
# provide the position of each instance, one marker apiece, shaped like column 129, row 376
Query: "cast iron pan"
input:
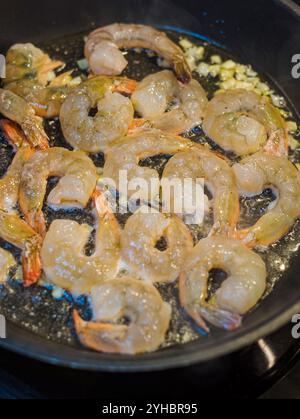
column 265, row 34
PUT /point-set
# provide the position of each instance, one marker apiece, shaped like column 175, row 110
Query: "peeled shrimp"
column 200, row 162
column 260, row 171
column 140, row 303
column 10, row 182
column 77, row 183
column 30, row 74
column 244, row 122
column 104, row 56
column 243, row 288
column 161, row 92
column 64, row 261
column 15, row 231
column 25, row 61
column 142, row 232
column 112, row 120
column 18, row 110
column 125, row 155
column 7, row 261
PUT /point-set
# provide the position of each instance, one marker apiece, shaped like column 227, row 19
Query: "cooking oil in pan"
column 47, row 311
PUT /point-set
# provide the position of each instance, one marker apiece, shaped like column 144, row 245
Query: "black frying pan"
column 264, row 33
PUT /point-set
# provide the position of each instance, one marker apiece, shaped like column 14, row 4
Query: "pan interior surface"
column 43, row 315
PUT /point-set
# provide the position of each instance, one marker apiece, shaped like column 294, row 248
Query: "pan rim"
column 128, row 364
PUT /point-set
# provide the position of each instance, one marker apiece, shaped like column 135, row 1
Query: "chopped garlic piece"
column 292, row 126
column 185, row 43
column 250, row 72
column 263, row 87
column 215, row 59
column 203, row 69
column 226, row 74
column 229, row 65
column 215, row 70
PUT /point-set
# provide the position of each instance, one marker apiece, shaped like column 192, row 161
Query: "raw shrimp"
column 20, row 234
column 25, row 61
column 125, row 155
column 64, row 261
column 18, row 110
column 104, row 56
column 200, row 162
column 10, row 182
column 112, row 120
column 7, row 261
column 261, row 171
column 245, row 122
column 74, row 189
column 243, row 288
column 138, row 302
column 138, row 242
column 161, row 92
column 30, row 74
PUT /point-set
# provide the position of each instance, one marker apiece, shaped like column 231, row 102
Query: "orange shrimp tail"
column 101, row 337
column 37, row 221
column 245, row 237
column 31, row 261
column 138, row 123
column 126, row 86
column 101, row 203
column 13, row 133
column 38, row 140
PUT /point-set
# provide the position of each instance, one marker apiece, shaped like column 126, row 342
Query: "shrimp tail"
column 99, row 336
column 126, row 86
column 13, row 133
column 195, row 314
column 35, row 133
column 138, row 123
column 182, row 71
column 37, row 221
column 31, row 261
column 223, row 319
column 246, row 237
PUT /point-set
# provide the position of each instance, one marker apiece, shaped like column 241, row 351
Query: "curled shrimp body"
column 161, row 92
column 244, row 122
column 64, row 261
column 137, row 301
column 104, row 56
column 200, row 162
column 77, row 182
column 15, row 231
column 18, row 110
column 30, row 74
column 260, row 171
column 10, row 182
column 112, row 120
column 125, row 155
column 7, row 261
column 142, row 232
column 243, row 288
